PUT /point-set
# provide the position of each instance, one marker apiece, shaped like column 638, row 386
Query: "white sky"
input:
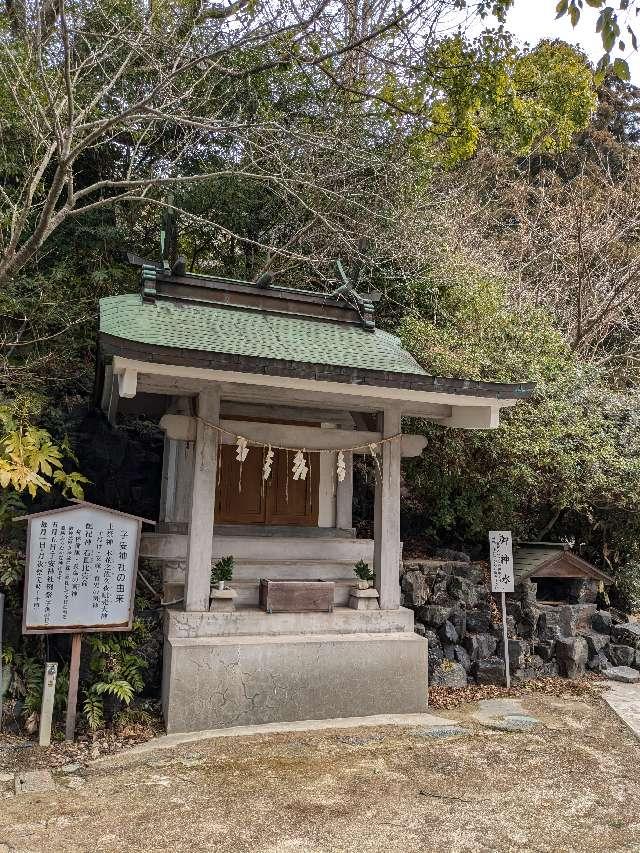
column 533, row 20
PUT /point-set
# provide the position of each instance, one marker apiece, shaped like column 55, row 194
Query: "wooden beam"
column 386, row 547
column 128, row 382
column 200, row 544
column 410, row 400
column 473, row 417
column 183, row 428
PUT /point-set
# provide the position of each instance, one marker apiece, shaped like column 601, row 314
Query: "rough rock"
column 70, row 768
column 448, row 633
column 449, row 650
column 462, row 657
column 545, row 649
column 451, row 555
column 489, row 671
column 623, row 673
column 433, row 616
column 480, row 646
column 478, row 621
column 517, row 651
column 34, row 782
column 599, row 662
column 462, row 590
column 601, row 621
column 572, row 654
column 419, row 629
column 449, row 674
column 622, row 655
column 416, row 587
column 628, row 634
column 458, row 618
column 596, row 642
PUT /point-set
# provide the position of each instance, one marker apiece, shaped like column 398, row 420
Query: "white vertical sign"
column 501, row 555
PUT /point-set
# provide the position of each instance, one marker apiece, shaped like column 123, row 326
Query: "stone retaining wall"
column 454, row 610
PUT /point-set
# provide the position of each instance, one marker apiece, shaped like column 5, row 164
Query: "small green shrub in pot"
column 363, row 571
column 222, row 571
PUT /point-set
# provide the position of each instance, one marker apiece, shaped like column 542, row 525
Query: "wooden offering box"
column 294, row 596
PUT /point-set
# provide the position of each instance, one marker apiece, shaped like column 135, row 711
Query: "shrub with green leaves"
column 117, row 673
column 222, row 570
column 363, row 571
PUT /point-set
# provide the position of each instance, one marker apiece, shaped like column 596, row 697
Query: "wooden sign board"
column 81, row 570
column 501, row 555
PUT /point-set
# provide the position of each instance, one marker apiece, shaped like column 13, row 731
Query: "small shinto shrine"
column 265, row 393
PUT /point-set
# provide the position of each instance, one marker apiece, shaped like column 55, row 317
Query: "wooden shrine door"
column 281, row 500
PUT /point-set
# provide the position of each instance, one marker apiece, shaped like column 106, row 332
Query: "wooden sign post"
column 81, row 577
column 502, row 581
column 48, row 696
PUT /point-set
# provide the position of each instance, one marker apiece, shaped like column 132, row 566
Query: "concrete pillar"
column 344, row 495
column 386, row 550
column 203, row 493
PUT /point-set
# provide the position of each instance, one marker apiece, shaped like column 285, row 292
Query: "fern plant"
column 25, row 679
column 118, row 674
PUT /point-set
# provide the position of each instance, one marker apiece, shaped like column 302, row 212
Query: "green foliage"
column 26, row 677
column 29, row 458
column 116, row 672
column 222, row 570
column 475, row 334
column 488, row 92
column 363, row 571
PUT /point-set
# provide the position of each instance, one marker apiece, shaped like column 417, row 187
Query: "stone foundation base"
column 218, row 681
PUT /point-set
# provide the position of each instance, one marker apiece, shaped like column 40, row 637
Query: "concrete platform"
column 424, row 721
column 362, row 663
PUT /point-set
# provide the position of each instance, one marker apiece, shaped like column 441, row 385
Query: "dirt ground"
column 571, row 784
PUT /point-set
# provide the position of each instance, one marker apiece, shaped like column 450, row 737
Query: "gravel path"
column 570, row 783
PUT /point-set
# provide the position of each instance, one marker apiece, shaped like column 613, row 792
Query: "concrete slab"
column 624, row 699
column 491, row 708
column 34, row 782
column 626, row 674
column 169, row 741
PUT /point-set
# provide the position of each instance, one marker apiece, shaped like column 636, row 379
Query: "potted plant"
column 365, row 574
column 222, row 572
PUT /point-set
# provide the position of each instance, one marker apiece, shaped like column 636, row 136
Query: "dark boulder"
column 462, row 657
column 572, row 654
column 598, row 663
column 416, row 588
column 449, row 674
column 601, row 622
column 627, row 633
column 622, row 655
column 478, row 621
column 433, row 615
column 448, row 633
column 480, row 646
column 545, row 649
column 489, row 671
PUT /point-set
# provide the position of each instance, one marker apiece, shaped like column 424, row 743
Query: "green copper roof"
column 250, row 332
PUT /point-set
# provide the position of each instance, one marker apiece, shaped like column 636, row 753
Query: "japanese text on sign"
column 81, row 568
column 501, row 555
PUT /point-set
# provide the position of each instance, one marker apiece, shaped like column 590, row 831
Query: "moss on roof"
column 250, row 332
